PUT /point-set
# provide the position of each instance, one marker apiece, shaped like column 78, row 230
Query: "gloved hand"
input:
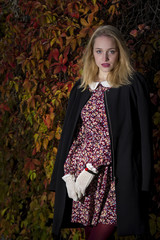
column 70, row 185
column 84, row 179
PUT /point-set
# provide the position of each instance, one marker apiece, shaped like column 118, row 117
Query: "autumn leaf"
column 55, row 54
column 134, row 33
column 84, row 22
column 58, row 133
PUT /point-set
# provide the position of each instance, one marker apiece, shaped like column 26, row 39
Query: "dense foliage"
column 40, row 51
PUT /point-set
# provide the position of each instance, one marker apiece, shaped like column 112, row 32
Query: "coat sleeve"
column 144, row 114
column 72, row 96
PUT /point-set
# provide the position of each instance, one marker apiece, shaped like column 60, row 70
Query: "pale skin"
column 106, row 56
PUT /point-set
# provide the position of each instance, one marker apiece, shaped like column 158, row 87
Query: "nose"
column 106, row 56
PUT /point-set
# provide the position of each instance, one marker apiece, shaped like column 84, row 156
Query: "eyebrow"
column 108, row 48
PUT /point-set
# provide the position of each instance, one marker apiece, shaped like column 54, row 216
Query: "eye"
column 112, row 51
column 98, row 51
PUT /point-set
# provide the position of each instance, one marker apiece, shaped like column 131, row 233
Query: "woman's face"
column 105, row 53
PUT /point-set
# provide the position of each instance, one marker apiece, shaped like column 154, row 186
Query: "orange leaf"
column 134, row 33
column 65, row 60
column 47, row 121
column 84, row 22
column 38, row 146
column 141, row 26
column 51, row 135
column 90, row 18
column 73, row 44
column 36, row 161
column 45, row 143
column 83, row 32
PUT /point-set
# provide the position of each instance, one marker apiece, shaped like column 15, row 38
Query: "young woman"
column 103, row 166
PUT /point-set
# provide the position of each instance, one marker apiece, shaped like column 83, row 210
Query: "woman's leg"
column 100, row 232
column 88, row 230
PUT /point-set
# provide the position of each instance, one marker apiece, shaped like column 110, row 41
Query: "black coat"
column 129, row 118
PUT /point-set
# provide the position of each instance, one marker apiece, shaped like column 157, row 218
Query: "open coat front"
column 127, row 108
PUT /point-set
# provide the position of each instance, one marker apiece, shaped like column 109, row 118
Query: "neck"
column 102, row 77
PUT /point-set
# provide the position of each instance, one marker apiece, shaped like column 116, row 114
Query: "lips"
column 106, row 65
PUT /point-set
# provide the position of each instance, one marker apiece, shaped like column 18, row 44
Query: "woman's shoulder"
column 76, row 85
column 138, row 80
column 137, row 77
column 76, row 89
column 139, row 83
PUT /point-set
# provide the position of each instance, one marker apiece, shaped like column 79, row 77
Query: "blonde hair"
column 120, row 74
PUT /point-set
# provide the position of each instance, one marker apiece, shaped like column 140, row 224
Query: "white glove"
column 70, row 185
column 84, row 179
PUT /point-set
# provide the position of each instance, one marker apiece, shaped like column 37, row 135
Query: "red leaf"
column 31, row 166
column 65, row 60
column 66, row 51
column 34, row 151
column 134, row 33
column 4, row 107
column 64, row 68
column 69, row 87
column 36, row 161
column 8, row 17
column 61, row 59
column 55, row 53
column 57, row 69
column 43, row 89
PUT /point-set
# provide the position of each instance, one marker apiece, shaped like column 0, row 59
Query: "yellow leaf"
column 3, row 211
column 48, row 20
column 52, row 41
column 38, row 55
column 57, row 92
column 38, row 146
column 51, row 135
column 54, row 150
column 84, row 22
column 112, row 10
column 16, row 86
column 50, row 215
column 58, row 133
column 45, row 143
column 52, row 115
column 73, row 44
column 23, row 232
column 36, row 135
column 79, row 41
column 33, row 63
column 42, row 52
column 47, row 63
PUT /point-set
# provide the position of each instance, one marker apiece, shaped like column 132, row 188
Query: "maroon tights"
column 99, row 232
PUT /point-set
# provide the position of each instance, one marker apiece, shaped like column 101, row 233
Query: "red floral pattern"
column 92, row 145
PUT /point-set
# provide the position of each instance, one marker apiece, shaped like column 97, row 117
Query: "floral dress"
column 92, row 145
